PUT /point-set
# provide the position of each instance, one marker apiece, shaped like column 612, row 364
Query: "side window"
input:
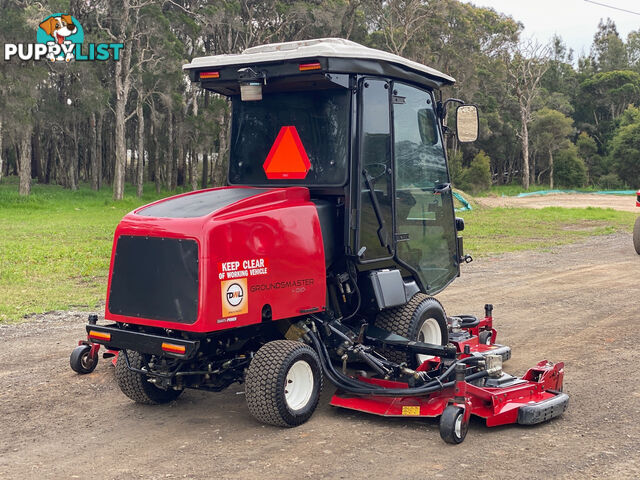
column 424, row 205
column 376, row 224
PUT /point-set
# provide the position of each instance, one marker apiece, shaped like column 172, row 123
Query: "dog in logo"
column 59, row 28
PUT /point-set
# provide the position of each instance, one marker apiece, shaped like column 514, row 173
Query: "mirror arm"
column 446, row 104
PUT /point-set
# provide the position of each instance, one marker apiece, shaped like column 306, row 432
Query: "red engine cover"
column 264, row 248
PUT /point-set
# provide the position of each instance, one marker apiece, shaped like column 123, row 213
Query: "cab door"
column 425, row 222
column 375, row 230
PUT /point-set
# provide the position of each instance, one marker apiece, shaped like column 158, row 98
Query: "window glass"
column 320, row 118
column 375, row 157
column 424, row 218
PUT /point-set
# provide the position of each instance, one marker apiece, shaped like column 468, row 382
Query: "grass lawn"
column 55, row 245
column 492, row 231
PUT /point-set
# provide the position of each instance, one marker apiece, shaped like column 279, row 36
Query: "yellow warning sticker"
column 234, row 297
column 407, row 410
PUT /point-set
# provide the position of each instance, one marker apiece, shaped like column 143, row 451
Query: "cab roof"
column 335, row 55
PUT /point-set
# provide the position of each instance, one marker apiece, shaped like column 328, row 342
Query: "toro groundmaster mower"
column 320, row 258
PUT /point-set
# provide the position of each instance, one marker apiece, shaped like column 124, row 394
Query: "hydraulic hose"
column 357, row 387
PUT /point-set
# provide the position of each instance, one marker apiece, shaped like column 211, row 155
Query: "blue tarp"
column 465, row 205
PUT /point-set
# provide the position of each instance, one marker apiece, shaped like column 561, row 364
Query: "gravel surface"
column 625, row 203
column 578, row 303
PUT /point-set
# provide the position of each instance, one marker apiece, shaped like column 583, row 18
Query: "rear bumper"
column 542, row 411
column 115, row 338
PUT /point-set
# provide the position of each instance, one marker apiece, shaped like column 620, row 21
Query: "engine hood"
column 219, row 258
column 218, row 201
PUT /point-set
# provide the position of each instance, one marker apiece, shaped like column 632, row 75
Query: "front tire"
column 136, row 385
column 283, row 383
column 636, row 235
column 423, row 319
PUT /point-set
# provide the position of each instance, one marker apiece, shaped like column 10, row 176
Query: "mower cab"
column 320, row 257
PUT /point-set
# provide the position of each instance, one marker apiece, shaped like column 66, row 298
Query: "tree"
column 604, row 97
column 570, row 170
column 588, row 151
column 549, row 131
column 625, row 148
column 608, row 50
column 526, row 65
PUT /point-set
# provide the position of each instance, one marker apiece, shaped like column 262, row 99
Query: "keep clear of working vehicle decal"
column 233, row 285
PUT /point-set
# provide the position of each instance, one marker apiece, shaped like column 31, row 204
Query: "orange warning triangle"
column 287, row 157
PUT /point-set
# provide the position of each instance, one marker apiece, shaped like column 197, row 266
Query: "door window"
column 425, row 224
column 376, row 224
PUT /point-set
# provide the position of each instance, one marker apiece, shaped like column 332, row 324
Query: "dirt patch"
column 625, row 203
column 578, row 303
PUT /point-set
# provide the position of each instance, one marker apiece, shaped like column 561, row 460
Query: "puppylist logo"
column 60, row 38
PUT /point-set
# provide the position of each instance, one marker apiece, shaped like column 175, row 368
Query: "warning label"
column 243, row 268
column 234, row 297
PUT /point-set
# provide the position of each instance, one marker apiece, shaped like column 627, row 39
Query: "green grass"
column 491, row 231
column 55, row 245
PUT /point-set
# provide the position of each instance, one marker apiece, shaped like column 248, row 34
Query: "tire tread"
column 265, row 375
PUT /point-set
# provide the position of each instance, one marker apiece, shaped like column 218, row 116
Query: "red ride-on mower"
column 321, row 257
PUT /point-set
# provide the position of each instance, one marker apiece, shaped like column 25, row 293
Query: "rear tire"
column 136, row 386
column 283, row 383
column 636, row 235
column 423, row 319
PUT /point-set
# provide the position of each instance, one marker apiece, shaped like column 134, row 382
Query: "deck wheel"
column 453, row 427
column 82, row 361
column 484, row 338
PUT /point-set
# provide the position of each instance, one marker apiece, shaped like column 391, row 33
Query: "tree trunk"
column 99, row 150
column 525, row 149
column 73, row 160
column 140, row 176
column 550, row 170
column 121, row 148
column 24, row 162
column 205, row 170
column 182, row 171
column 1, row 152
column 171, row 164
column 194, row 170
column 156, row 157
column 205, row 157
column 123, row 86
column 94, row 153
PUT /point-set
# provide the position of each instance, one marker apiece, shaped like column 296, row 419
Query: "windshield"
column 286, row 128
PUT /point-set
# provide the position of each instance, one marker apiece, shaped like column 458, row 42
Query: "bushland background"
column 547, row 117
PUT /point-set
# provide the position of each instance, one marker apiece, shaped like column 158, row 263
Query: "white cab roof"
column 320, row 47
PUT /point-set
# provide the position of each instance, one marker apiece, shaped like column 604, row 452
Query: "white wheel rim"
column 458, row 426
column 299, row 385
column 429, row 333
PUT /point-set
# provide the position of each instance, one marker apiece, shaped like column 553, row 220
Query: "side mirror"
column 467, row 123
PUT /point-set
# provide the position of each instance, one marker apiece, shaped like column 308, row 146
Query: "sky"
column 576, row 21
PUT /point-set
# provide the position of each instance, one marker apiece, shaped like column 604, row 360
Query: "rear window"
column 320, row 119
